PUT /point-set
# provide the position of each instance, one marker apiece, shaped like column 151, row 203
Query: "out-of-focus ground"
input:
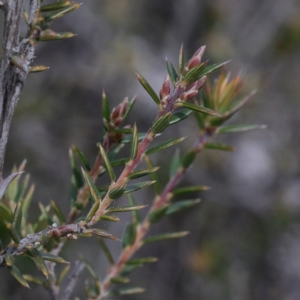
column 245, row 235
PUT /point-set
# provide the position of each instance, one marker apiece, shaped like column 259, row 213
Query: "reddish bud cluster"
column 118, row 113
column 195, row 60
column 164, row 93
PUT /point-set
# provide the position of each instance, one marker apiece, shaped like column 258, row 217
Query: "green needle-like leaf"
column 18, row 218
column 238, row 128
column 54, row 258
column 161, row 123
column 172, row 72
column 129, row 235
column 181, row 61
column 164, row 145
column 107, row 163
column 5, row 213
column 200, row 109
column 82, row 157
column 175, row 164
column 190, row 189
column 129, row 107
column 128, row 291
column 165, row 236
column 137, row 186
column 39, row 261
column 158, row 214
column 58, row 212
column 106, row 251
column 17, row 274
column 141, row 261
column 148, row 88
column 181, row 205
column 92, row 211
column 134, row 143
column 119, row 280
column 125, row 208
column 105, row 107
column 62, row 274
column 93, row 189
column 54, row 6
column 90, row 269
column 217, row 146
column 141, row 173
column 178, row 116
column 61, row 12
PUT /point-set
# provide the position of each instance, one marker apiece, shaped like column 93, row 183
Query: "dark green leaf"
column 165, row 236
column 129, row 291
column 137, row 186
column 148, row 88
column 62, row 274
column 129, row 235
column 5, row 183
column 180, row 115
column 180, row 205
column 175, row 164
column 164, row 145
column 119, row 280
column 172, row 72
column 141, row 173
column 106, row 251
column 181, row 61
column 127, row 139
column 134, row 143
column 17, row 274
column 38, row 259
column 5, row 213
column 117, row 192
column 82, row 158
column 54, row 6
column 13, row 233
column 119, row 162
column 92, row 187
column 33, row 279
column 141, row 261
column 190, row 189
column 238, row 128
column 200, row 109
column 54, row 258
column 105, row 107
column 158, row 213
column 125, row 208
column 58, row 212
column 75, row 171
column 188, row 159
column 129, row 107
column 201, row 70
column 161, row 123
column 217, row 146
column 109, row 218
column 61, row 12
column 154, row 176
column 107, row 163
column 100, row 233
column 92, row 211
column 135, row 213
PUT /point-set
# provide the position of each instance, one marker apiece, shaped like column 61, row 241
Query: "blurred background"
column 245, row 234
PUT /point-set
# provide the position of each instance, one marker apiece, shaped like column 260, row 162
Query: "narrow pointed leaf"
column 178, row 116
column 127, row 139
column 137, row 186
column 107, row 163
column 154, row 176
column 129, row 235
column 82, row 157
column 101, row 233
column 172, row 72
column 181, row 61
column 200, row 109
column 201, row 70
column 5, row 183
column 27, row 201
column 54, row 6
column 135, row 213
column 75, row 170
column 164, row 145
column 9, row 259
column 92, row 211
column 181, row 205
column 106, row 251
column 93, row 189
column 238, row 128
column 134, row 143
column 53, row 36
column 129, row 291
column 158, row 214
column 58, row 212
column 113, row 154
column 17, row 274
column 161, row 123
column 188, row 159
column 175, row 164
column 125, row 208
column 117, row 192
column 148, row 88
column 190, row 189
column 129, row 269
column 109, row 218
column 217, row 146
column 141, row 173
column 38, row 259
column 5, row 213
column 37, row 69
column 62, row 274
column 90, row 269
column 119, row 280
column 165, row 236
column 105, row 107
column 13, row 233
column 33, row 279
column 61, row 12
column 141, row 261
column 54, row 258
column 119, row 162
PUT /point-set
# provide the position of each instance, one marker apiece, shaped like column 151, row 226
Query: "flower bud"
column 195, row 60
column 165, row 90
